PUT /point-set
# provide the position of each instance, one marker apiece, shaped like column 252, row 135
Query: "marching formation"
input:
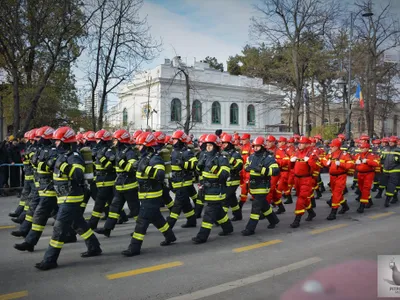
column 63, row 170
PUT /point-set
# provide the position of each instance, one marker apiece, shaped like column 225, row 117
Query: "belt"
column 303, row 176
column 336, row 175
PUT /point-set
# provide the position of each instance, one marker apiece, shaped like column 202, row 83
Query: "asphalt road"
column 262, row 266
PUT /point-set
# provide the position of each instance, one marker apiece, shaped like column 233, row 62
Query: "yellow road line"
column 14, row 295
column 145, row 270
column 316, row 231
column 256, row 246
column 382, row 215
column 7, row 227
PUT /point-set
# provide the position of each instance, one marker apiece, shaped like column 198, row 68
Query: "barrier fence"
column 5, row 178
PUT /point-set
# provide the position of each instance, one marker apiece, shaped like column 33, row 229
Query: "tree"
column 119, row 42
column 377, row 34
column 287, row 21
column 213, row 62
column 37, row 37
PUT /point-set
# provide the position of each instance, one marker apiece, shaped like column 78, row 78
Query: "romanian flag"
column 359, row 96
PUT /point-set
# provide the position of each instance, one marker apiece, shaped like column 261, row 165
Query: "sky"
column 194, row 29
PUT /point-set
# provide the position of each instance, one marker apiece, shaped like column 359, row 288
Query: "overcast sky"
column 195, row 29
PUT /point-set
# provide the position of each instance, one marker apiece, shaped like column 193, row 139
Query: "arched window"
column 216, row 113
column 234, row 114
column 125, row 117
column 196, row 111
column 251, row 115
column 176, row 110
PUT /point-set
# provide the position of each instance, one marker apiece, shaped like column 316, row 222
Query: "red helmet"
column 364, row 138
column 270, row 138
column 79, row 137
column 45, row 132
column 202, row 138
column 26, row 134
column 227, row 138
column 318, row 137
column 180, row 135
column 385, row 140
column 167, row 139
column 304, row 140
column 393, row 139
column 89, row 136
column 135, row 136
column 103, row 135
column 160, row 137
column 188, row 140
column 282, row 139
column 291, row 140
column 245, row 136
column 212, row 138
column 32, row 134
column 122, row 136
column 65, row 134
column 335, row 143
column 341, row 136
column 259, row 141
column 146, row 139
column 376, row 142
column 365, row 145
column 312, row 140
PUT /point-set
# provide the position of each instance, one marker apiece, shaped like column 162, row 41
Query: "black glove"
column 143, row 164
column 257, row 169
column 51, row 163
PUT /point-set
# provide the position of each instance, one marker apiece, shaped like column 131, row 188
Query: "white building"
column 156, row 99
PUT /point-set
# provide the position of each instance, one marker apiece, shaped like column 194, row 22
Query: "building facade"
column 156, row 100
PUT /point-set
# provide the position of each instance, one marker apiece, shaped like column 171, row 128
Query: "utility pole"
column 149, row 82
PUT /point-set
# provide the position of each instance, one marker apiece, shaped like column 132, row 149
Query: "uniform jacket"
column 183, row 163
column 104, row 165
column 125, row 166
column 346, row 162
column 391, row 159
column 261, row 165
column 303, row 168
column 235, row 164
column 150, row 175
column 371, row 165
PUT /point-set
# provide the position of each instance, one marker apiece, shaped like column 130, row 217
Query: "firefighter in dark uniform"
column 199, row 205
column 105, row 175
column 261, row 165
column 43, row 180
column 28, row 179
column 29, row 184
column 391, row 170
column 165, row 154
column 48, row 197
column 215, row 171
column 376, row 149
column 126, row 185
column 150, row 176
column 69, row 185
column 183, row 162
column 89, row 141
column 233, row 182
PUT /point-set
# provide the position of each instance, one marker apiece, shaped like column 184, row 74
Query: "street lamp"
column 368, row 13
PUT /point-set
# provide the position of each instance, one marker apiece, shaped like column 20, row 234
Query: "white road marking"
column 247, row 280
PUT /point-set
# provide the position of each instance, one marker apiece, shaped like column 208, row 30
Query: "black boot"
column 92, row 252
column 319, row 194
column 322, row 187
column 358, row 198
column 387, row 201
column 370, row 203
column 395, row 199
column 197, row 240
column 360, row 209
column 24, row 247
column 13, row 215
column 191, row 222
column 358, row 192
column 353, row 186
column 311, row 214
column 289, row 199
column 281, row 209
column 329, row 202
column 103, row 231
column 296, row 222
column 18, row 233
column 237, row 215
column 345, row 207
column 247, row 232
column 374, row 188
column 169, row 238
column 16, row 220
column 44, row 266
column 133, row 250
column 273, row 220
column 313, row 204
column 379, row 195
column 332, row 215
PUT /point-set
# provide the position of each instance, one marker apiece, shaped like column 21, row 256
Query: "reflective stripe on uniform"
column 233, row 183
column 215, row 197
column 113, row 215
column 147, row 195
column 268, row 212
column 56, row 244
column 189, row 214
column 258, row 191
column 255, row 216
column 96, row 214
column 70, row 199
column 28, row 218
column 37, row 227
column 128, row 186
column 164, row 228
column 47, row 194
column 223, row 220
column 138, row 236
column 206, row 225
column 177, row 185
column 105, row 183
column 87, row 234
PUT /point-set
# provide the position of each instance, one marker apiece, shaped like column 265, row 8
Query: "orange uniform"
column 246, row 151
column 366, row 164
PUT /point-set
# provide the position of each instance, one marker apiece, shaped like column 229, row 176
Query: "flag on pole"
column 359, row 96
